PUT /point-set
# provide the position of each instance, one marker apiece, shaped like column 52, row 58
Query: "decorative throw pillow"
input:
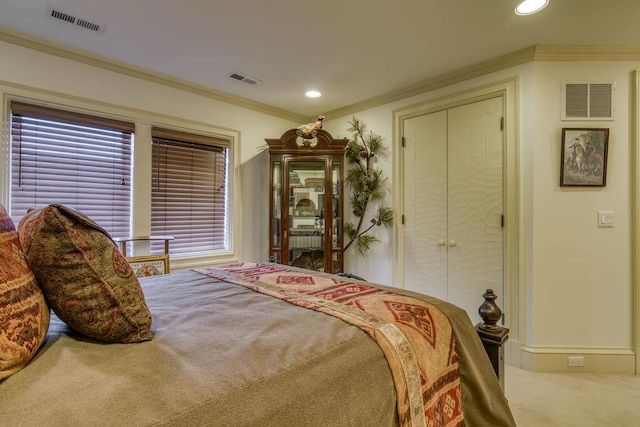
column 85, row 278
column 24, row 315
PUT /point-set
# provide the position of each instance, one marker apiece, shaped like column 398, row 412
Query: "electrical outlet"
column 573, row 361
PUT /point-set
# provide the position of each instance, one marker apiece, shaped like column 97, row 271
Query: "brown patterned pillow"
column 24, row 315
column 85, row 278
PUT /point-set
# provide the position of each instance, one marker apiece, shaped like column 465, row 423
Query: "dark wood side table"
column 491, row 334
column 493, row 341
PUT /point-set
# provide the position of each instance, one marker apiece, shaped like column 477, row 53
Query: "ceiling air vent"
column 587, row 101
column 247, row 80
column 67, row 17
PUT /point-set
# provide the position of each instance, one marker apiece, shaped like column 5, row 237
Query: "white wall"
column 376, row 265
column 41, row 76
column 576, row 287
column 580, row 286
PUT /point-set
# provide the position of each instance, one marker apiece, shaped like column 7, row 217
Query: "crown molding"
column 529, row 54
column 51, row 48
column 496, row 64
column 587, row 53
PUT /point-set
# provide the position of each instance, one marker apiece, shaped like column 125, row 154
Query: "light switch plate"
column 605, row 218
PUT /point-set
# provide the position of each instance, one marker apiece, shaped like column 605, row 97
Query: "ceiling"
column 350, row 50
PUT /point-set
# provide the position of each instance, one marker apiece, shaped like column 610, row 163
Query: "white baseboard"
column 513, row 353
column 555, row 359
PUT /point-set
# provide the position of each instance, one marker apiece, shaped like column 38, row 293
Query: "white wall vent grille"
column 587, row 101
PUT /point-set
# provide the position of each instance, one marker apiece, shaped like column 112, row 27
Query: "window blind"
column 189, row 196
column 78, row 160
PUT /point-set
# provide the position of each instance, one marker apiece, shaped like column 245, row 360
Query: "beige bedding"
column 226, row 355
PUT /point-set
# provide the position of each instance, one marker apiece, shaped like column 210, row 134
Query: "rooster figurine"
column 310, row 130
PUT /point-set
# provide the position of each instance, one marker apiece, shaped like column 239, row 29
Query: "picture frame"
column 152, row 265
column 584, row 157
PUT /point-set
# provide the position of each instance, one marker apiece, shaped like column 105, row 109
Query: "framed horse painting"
column 584, row 157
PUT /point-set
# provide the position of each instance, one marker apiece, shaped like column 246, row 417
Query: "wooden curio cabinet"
column 306, row 202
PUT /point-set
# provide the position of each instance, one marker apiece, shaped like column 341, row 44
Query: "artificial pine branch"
column 365, row 181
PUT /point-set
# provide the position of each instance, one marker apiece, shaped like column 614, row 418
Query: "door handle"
column 453, row 243
column 441, row 242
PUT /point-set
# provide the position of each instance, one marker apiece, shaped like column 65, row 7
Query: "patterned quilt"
column 416, row 337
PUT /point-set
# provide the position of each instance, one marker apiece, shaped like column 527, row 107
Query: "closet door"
column 453, row 204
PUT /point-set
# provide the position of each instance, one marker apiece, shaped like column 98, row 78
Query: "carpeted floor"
column 539, row 399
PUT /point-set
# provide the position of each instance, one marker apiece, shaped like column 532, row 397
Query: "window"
column 74, row 159
column 189, row 194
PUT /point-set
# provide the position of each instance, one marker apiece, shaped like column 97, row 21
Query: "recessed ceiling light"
column 313, row 94
column 527, row 7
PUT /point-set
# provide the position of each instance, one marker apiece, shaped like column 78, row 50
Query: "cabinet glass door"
column 336, row 233
column 306, row 214
column 276, row 215
column 336, row 224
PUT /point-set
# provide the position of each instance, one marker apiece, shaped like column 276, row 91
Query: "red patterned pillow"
column 24, row 315
column 86, row 280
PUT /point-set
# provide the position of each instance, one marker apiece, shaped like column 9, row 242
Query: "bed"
column 237, row 345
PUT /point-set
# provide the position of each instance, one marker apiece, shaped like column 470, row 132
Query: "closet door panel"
column 475, row 203
column 425, row 199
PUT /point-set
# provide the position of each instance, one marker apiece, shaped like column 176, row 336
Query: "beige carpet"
column 540, row 399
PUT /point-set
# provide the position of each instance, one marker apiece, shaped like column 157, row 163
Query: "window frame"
column 141, row 177
column 60, row 131
column 162, row 139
